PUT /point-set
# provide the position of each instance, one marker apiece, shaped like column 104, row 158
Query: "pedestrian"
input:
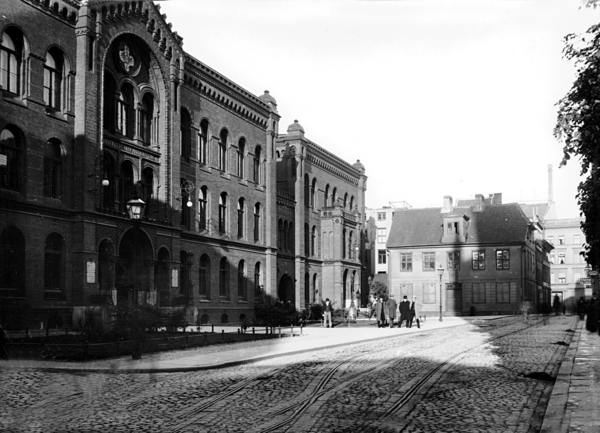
column 327, row 310
column 381, row 312
column 392, row 306
column 556, row 304
column 581, row 304
column 591, row 321
column 3, row 343
column 415, row 308
column 373, row 304
column 404, row 311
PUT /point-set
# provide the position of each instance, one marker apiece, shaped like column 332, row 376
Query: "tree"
column 379, row 289
column 578, row 129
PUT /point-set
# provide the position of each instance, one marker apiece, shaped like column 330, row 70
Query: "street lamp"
column 440, row 271
column 135, row 207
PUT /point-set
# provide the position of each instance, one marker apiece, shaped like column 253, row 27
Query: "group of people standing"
column 385, row 310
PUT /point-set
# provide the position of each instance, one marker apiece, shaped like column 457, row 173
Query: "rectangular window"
column 478, row 263
column 222, row 156
column 406, row 262
column 502, row 259
column 454, row 260
column 381, row 216
column 479, row 293
column 562, row 277
column 561, row 240
column 429, row 261
column 502, row 293
column 429, row 291
column 577, row 276
column 576, row 239
column 381, row 257
column 561, row 258
column 381, row 236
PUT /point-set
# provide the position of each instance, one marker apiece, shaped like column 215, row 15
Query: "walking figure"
column 327, row 310
column 404, row 312
column 556, row 304
column 392, row 306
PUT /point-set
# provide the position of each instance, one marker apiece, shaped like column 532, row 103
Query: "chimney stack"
column 479, row 202
column 447, row 204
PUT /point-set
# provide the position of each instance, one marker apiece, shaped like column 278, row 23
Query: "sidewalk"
column 220, row 356
column 574, row 405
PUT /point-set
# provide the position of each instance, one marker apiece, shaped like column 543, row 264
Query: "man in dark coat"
column 381, row 312
column 581, row 305
column 404, row 311
column 392, row 307
column 591, row 321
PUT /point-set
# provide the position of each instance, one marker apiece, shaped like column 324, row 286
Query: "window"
column 240, row 158
column 381, row 235
column 240, row 218
column 53, row 77
column 306, row 191
column 429, row 292
column 576, row 239
column 223, row 212
column 204, row 286
column 552, row 278
column 186, row 135
column 313, row 194
column 280, row 234
column 10, row 161
column 452, row 228
column 326, row 196
column 307, row 241
column 406, row 262
column 257, row 283
column 53, row 267
column 313, row 242
column 146, row 119
column 12, row 262
column 224, row 278
column 241, row 283
column 381, row 216
column 124, row 106
column 381, row 257
column 551, row 258
column 257, row 222
column 334, row 197
column 10, row 60
column 257, row 165
column 454, row 260
column 203, row 207
column 502, row 259
column 561, row 240
column 561, row 258
column 52, row 169
column 502, row 293
column 203, row 145
column 429, row 261
column 562, row 278
column 550, row 239
column 478, row 293
column 478, row 262
column 222, row 161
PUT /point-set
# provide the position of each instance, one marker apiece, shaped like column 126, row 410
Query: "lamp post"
column 135, row 208
column 440, row 271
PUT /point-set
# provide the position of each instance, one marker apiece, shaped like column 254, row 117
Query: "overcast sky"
column 434, row 97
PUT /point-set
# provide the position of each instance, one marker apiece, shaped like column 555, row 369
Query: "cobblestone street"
column 471, row 378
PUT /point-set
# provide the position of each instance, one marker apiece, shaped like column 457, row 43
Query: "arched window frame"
column 203, row 208
column 146, row 119
column 204, row 277
column 224, row 278
column 124, row 103
column 222, row 157
column 11, row 145
column 223, row 213
column 186, row 135
column 313, row 242
column 53, row 152
column 306, row 240
column 257, row 280
column 257, row 165
column 11, row 61
column 241, row 157
column 242, row 281
column 241, row 222
column 257, row 228
column 313, row 194
column 203, row 155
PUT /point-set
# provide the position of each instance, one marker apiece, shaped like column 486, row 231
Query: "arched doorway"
column 134, row 276
column 285, row 291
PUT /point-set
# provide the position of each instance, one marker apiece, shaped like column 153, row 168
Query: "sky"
column 435, row 98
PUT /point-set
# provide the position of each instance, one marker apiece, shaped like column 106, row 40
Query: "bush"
column 276, row 315
column 176, row 319
column 379, row 289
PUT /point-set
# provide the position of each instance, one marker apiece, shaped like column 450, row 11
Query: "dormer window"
column 455, row 228
column 452, row 228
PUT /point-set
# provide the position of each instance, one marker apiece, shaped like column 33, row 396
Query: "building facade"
column 101, row 107
column 494, row 258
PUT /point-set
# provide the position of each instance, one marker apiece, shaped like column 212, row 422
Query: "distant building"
column 495, row 259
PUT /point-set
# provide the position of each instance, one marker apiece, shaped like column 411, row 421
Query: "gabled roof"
column 495, row 224
column 535, row 210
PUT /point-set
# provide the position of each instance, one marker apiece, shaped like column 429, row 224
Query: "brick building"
column 494, row 258
column 101, row 107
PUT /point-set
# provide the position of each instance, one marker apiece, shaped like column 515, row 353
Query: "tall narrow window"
column 11, row 48
column 240, row 218
column 203, row 145
column 52, row 169
column 240, row 158
column 203, row 207
column 257, row 222
column 146, row 119
column 334, row 197
column 280, row 234
column 306, row 240
column 344, row 244
column 326, row 196
column 186, row 134
column 204, row 286
column 257, row 288
column 306, row 191
column 313, row 241
column 11, row 156
column 257, row 165
column 242, row 280
column 110, row 89
column 12, row 262
column 53, row 76
column 147, row 191
column 53, row 267
column 223, row 151
column 224, row 278
column 223, row 213
column 124, row 106
column 313, row 194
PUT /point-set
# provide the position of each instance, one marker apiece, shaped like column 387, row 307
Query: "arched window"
column 240, row 157
column 313, row 240
column 186, row 134
column 240, row 218
column 241, row 283
column 184, row 274
column 257, row 222
column 344, row 244
column 334, row 197
column 11, row 53
column 350, row 245
column 52, row 169
column 223, row 151
column 53, row 78
column 108, row 174
column 110, row 89
column 285, row 246
column 54, row 267
column 345, row 200
column 352, row 203
column 306, row 191
column 203, row 207
column 203, row 145
column 280, row 234
column 257, row 280
column 147, row 191
column 12, row 262
column 223, row 213
column 147, row 119
column 125, row 184
column 224, row 278
column 313, row 194
column 10, row 172
column 162, row 274
column 326, row 196
column 306, row 240
column 124, row 110
column 204, row 284
column 306, row 289
column 257, row 165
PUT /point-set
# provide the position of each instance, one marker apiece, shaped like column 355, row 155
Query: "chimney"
column 550, row 186
column 447, row 204
column 496, row 198
column 479, row 203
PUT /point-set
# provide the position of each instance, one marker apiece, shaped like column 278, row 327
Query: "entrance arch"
column 285, row 291
column 133, row 272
